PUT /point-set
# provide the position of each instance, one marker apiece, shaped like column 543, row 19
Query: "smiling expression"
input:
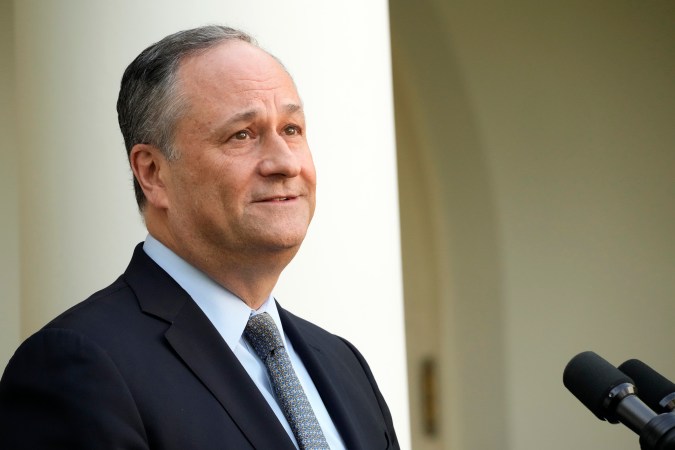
column 244, row 181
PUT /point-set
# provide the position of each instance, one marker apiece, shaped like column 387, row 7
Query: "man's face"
column 244, row 182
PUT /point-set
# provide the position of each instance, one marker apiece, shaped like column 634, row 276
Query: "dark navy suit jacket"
column 139, row 366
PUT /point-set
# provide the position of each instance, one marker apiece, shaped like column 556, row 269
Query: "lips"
column 276, row 199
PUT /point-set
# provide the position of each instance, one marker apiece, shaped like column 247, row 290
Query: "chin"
column 284, row 242
column 277, row 236
column 289, row 244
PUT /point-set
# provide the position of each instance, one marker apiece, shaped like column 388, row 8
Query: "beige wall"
column 78, row 217
column 537, row 161
column 9, row 191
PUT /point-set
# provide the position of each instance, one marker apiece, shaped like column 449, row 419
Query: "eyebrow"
column 244, row 116
column 292, row 108
column 241, row 117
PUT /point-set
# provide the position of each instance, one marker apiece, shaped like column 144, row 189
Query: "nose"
column 279, row 158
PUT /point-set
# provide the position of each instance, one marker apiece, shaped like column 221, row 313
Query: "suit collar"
column 158, row 294
column 199, row 345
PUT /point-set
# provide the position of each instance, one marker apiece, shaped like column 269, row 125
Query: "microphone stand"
column 659, row 433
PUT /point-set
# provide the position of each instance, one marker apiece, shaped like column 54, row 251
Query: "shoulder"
column 107, row 327
column 59, row 377
column 91, row 332
column 102, row 311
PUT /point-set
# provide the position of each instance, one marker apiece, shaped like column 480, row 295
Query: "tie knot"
column 263, row 335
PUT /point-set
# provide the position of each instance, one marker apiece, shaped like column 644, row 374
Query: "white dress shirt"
column 229, row 315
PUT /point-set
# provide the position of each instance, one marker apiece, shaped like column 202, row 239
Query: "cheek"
column 194, row 191
column 310, row 177
column 214, row 178
column 309, row 170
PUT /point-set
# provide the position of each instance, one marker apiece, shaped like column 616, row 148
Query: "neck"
column 252, row 285
column 250, row 275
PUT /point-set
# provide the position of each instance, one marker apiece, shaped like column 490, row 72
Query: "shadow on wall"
column 450, row 250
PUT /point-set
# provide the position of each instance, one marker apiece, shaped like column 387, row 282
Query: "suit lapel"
column 200, row 346
column 324, row 375
column 202, row 349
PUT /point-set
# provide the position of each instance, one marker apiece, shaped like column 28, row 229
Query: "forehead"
column 233, row 68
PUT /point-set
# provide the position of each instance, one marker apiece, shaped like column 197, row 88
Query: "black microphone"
column 606, row 391
column 655, row 390
column 610, row 395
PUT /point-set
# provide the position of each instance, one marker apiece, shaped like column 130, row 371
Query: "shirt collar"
column 227, row 312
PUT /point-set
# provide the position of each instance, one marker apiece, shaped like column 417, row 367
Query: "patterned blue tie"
column 263, row 335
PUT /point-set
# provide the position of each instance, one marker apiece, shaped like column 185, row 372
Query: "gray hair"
column 149, row 102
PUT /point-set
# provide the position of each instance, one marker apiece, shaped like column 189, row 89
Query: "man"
column 170, row 356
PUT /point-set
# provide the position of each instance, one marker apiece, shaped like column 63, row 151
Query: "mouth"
column 276, row 199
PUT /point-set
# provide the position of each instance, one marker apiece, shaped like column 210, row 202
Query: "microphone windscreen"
column 652, row 386
column 590, row 378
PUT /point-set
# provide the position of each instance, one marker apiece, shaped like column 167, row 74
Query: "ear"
column 151, row 170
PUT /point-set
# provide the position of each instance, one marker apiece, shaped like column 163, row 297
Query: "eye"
column 291, row 130
column 241, row 135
